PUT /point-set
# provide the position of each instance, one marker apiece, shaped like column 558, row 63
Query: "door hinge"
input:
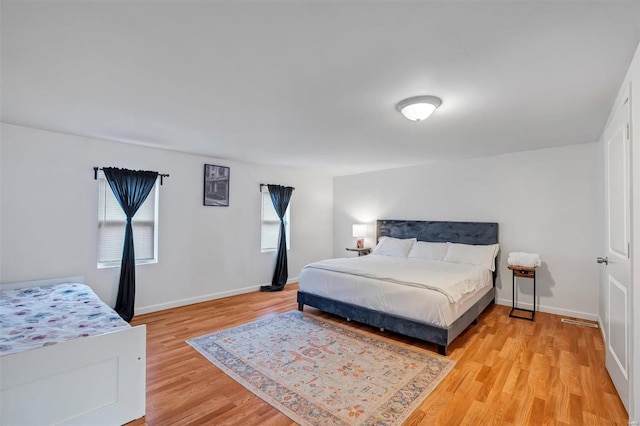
column 628, row 131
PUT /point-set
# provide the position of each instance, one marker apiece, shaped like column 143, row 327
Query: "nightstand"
column 361, row 251
column 522, row 272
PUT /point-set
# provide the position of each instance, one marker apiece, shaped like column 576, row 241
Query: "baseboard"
column 205, row 298
column 551, row 310
column 602, row 331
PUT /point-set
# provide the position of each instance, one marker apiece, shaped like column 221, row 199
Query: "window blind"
column 111, row 227
column 271, row 224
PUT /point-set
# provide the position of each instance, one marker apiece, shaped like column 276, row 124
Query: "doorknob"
column 604, row 260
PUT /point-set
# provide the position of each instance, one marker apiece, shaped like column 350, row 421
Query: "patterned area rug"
column 320, row 373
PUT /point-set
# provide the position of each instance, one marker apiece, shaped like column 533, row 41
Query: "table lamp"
column 359, row 231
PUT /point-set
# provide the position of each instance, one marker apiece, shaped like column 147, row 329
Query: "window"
column 271, row 224
column 111, row 224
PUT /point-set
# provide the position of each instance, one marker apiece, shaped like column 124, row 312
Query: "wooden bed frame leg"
column 475, row 321
column 442, row 350
column 300, row 306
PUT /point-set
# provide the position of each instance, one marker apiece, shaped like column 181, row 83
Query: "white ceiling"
column 314, row 83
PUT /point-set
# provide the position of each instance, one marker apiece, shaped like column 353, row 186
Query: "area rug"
column 317, row 372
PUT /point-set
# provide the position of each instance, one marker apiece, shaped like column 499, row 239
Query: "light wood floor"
column 508, row 371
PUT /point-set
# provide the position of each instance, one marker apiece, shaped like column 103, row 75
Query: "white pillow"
column 428, row 250
column 396, row 247
column 472, row 255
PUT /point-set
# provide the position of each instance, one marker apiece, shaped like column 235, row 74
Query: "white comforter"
column 454, row 280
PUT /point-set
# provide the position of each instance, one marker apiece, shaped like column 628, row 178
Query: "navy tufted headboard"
column 478, row 233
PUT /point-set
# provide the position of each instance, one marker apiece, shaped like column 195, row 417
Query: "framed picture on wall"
column 216, row 185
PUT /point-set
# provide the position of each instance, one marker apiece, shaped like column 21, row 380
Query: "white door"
column 617, row 262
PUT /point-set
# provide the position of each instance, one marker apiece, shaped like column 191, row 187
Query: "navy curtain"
column 131, row 188
column 280, row 196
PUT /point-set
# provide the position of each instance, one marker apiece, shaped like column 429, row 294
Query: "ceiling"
column 314, row 83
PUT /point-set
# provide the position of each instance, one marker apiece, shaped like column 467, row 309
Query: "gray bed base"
column 479, row 233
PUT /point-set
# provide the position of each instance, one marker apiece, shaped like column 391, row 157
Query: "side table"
column 361, row 251
column 522, row 272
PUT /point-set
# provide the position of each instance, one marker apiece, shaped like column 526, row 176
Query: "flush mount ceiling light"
column 419, row 107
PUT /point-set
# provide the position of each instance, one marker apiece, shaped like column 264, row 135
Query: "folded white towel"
column 531, row 260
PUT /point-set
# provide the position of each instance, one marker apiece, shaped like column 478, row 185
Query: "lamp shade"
column 359, row 230
column 418, row 108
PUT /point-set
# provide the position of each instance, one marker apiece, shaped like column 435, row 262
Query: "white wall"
column 545, row 202
column 49, row 219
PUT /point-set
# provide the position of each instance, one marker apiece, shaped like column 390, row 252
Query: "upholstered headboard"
column 478, row 233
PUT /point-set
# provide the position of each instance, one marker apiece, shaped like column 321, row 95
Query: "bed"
column 424, row 313
column 71, row 361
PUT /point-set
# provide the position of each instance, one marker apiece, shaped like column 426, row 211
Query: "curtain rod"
column 267, row 184
column 95, row 174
